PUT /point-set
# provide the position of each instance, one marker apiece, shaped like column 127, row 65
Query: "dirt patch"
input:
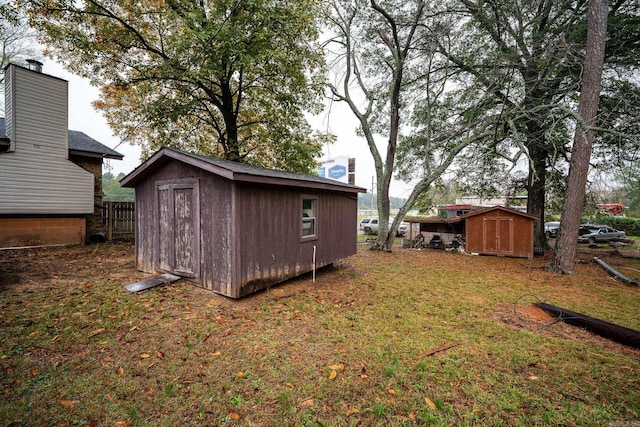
column 534, row 319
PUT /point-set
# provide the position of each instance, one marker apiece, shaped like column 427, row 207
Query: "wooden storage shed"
column 491, row 231
column 234, row 228
column 499, row 231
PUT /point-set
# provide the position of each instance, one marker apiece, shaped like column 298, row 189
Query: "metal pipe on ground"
column 615, row 273
column 603, row 328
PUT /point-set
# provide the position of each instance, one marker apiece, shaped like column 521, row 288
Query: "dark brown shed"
column 234, row 228
column 499, row 231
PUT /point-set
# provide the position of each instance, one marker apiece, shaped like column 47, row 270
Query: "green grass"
column 76, row 349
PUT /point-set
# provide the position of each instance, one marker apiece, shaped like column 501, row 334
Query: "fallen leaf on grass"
column 333, row 374
column 234, row 415
column 288, row 385
column 352, row 411
column 364, row 376
column 216, row 353
column 430, row 403
column 120, row 371
column 240, row 374
column 338, row 367
column 145, row 356
column 160, row 355
column 532, row 378
column 33, row 334
column 95, row 332
column 67, row 402
column 121, row 424
column 391, row 391
column 305, row 403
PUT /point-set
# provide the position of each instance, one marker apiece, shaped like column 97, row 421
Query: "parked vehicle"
column 365, row 224
column 602, row 234
column 551, row 229
column 369, row 225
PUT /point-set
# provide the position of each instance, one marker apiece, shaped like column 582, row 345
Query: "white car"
column 369, row 225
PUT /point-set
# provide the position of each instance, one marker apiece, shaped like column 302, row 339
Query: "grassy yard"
column 354, row 348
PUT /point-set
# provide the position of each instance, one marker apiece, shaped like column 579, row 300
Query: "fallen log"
column 615, row 273
column 603, row 328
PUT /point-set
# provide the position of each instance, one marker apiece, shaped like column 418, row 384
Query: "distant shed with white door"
column 234, row 228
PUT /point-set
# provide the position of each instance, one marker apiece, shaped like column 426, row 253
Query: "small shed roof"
column 461, row 218
column 234, row 171
column 497, row 208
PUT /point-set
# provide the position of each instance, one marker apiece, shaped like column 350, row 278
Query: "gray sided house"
column 50, row 177
column 234, row 228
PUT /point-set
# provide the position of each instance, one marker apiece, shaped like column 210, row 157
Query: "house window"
column 309, row 211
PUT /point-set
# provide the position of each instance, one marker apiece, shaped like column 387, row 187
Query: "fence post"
column 109, row 220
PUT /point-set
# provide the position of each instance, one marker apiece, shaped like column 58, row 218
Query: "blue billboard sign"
column 337, row 172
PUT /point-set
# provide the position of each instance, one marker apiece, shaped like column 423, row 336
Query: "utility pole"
column 371, row 194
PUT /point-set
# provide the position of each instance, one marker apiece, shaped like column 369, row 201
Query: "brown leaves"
column 95, row 332
column 305, row 403
column 431, row 404
column 334, row 370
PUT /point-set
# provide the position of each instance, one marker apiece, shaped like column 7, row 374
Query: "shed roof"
column 461, row 218
column 498, row 208
column 234, row 171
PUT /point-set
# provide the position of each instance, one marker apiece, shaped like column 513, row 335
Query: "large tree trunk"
column 536, row 181
column 566, row 245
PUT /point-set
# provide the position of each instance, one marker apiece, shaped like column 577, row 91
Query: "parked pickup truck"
column 369, row 225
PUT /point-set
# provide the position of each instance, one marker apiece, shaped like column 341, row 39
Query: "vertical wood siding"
column 249, row 235
column 500, row 233
column 37, row 178
column 269, row 234
column 210, row 228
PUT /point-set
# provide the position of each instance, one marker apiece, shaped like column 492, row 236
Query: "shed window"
column 309, row 211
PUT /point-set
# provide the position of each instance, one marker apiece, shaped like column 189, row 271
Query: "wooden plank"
column 152, row 282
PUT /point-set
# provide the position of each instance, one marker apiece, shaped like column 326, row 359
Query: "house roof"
column 82, row 144
column 79, row 144
column 234, row 171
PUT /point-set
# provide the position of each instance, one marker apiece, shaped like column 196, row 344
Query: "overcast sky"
column 339, row 120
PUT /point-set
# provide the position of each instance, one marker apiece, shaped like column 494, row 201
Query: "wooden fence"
column 119, row 220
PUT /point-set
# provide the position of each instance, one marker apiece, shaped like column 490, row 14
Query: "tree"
column 16, row 41
column 228, row 78
column 525, row 60
column 566, row 245
column 112, row 190
column 396, row 84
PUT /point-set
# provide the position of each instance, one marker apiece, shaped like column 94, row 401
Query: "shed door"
column 178, row 229
column 497, row 235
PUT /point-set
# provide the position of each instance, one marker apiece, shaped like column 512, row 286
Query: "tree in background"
column 524, row 60
column 112, row 190
column 228, row 78
column 566, row 245
column 397, row 86
column 17, row 42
